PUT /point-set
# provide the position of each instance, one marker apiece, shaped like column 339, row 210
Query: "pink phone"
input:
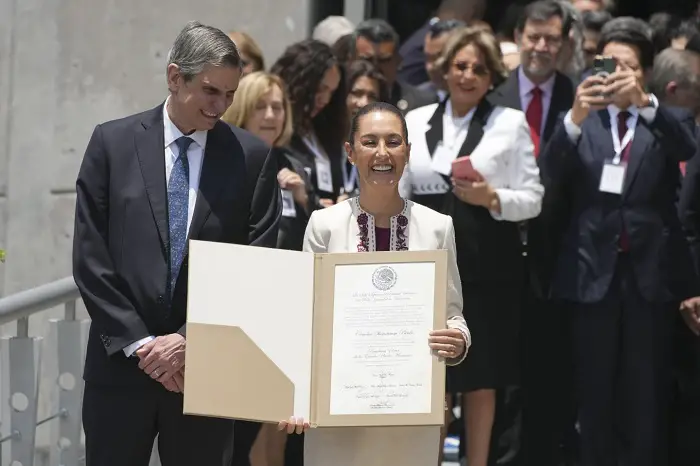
column 462, row 169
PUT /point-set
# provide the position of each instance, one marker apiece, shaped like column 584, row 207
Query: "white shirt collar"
column 526, row 86
column 172, row 133
column 458, row 121
column 613, row 110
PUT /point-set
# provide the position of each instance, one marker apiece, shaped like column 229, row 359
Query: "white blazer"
column 335, row 230
column 504, row 157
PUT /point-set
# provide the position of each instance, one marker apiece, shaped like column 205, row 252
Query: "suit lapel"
column 215, row 172
column 560, row 102
column 434, row 134
column 150, row 150
column 643, row 138
column 510, row 92
column 602, row 140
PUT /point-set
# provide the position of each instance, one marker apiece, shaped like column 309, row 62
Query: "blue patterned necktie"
column 178, row 204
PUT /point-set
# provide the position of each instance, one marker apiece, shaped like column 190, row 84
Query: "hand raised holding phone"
column 590, row 95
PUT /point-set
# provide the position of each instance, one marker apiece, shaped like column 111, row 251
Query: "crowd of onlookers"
column 570, row 355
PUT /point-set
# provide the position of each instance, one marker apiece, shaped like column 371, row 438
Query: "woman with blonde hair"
column 262, row 107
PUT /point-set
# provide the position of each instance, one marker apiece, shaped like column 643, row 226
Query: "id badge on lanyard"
column 324, row 178
column 289, row 208
column 612, row 179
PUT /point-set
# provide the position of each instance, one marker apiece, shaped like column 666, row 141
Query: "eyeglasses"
column 478, row 69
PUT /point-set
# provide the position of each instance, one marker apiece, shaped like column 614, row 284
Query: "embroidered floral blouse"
column 394, row 238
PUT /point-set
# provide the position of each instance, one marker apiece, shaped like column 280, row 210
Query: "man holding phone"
column 624, row 265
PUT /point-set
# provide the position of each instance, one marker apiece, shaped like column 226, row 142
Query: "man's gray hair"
column 672, row 65
column 198, row 45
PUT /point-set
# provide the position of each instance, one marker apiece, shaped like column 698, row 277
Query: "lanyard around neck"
column 349, row 177
column 314, row 146
column 618, row 145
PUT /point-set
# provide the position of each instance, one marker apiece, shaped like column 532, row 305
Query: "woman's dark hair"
column 344, row 48
column 376, row 107
column 633, row 32
column 302, row 67
column 365, row 69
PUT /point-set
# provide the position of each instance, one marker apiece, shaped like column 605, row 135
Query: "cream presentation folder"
column 260, row 332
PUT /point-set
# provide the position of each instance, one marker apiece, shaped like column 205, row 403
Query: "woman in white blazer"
column 487, row 207
column 380, row 220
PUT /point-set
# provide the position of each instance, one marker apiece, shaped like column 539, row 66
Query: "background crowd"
column 549, row 343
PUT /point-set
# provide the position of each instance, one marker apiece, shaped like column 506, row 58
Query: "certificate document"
column 360, row 323
column 382, row 317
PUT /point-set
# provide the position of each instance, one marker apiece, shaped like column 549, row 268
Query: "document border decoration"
column 384, row 278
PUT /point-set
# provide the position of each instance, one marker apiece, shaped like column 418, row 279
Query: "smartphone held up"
column 604, row 67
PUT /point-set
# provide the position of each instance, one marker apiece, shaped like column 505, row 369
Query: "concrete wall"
column 66, row 65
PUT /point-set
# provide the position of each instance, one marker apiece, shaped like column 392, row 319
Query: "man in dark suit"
column 378, row 42
column 544, row 94
column 624, row 265
column 686, row 407
column 147, row 184
column 675, row 80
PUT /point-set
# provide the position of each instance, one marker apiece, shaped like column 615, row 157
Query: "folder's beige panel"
column 258, row 302
column 227, row 375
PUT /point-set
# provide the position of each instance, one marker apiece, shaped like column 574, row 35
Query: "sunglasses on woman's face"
column 478, row 69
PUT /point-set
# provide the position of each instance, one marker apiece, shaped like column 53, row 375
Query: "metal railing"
column 20, row 376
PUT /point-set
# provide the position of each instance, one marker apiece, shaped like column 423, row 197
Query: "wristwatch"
column 652, row 101
column 648, row 112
